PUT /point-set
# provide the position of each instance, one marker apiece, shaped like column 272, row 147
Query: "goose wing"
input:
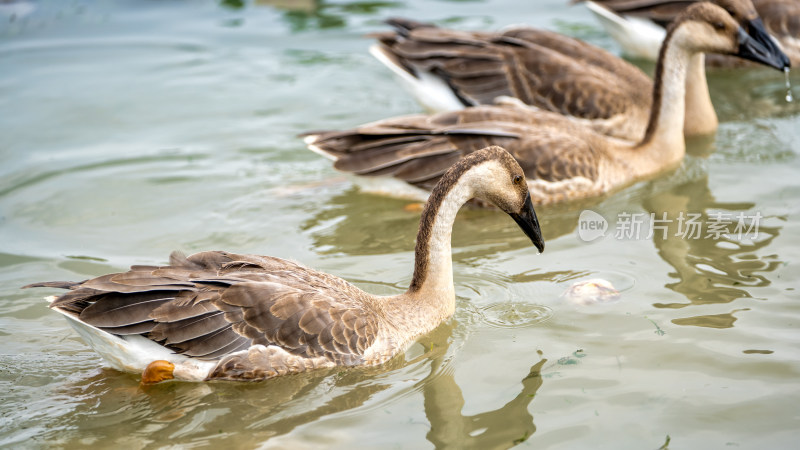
column 419, row 149
column 212, row 304
column 541, row 68
column 662, row 12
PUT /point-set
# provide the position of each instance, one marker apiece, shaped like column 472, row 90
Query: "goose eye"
column 518, row 179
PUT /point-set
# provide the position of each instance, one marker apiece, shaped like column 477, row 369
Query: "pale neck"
column 701, row 119
column 664, row 137
column 433, row 267
column 431, row 296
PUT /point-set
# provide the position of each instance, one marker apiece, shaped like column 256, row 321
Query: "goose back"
column 215, row 304
column 543, row 69
column 557, row 155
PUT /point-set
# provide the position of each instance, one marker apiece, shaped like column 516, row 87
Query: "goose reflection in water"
column 710, row 270
column 358, row 223
column 303, row 15
column 107, row 400
column 503, row 427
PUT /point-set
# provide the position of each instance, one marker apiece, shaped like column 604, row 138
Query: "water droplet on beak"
column 789, row 98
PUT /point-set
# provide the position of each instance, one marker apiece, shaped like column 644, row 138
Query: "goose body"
column 639, row 25
column 448, row 70
column 563, row 159
column 218, row 315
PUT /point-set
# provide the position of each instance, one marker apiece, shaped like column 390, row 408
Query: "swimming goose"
column 218, row 315
column 562, row 159
column 447, row 70
column 638, row 25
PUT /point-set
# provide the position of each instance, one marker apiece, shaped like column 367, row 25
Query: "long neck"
column 433, row 262
column 431, row 296
column 663, row 140
column 701, row 119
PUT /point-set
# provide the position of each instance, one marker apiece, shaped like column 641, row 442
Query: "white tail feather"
column 428, row 89
column 639, row 38
column 310, row 140
column 133, row 353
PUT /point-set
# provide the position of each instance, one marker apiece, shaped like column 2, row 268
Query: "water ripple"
column 515, row 314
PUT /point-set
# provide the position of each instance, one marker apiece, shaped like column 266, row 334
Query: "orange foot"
column 158, row 371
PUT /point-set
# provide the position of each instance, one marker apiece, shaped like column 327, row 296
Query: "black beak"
column 757, row 45
column 526, row 219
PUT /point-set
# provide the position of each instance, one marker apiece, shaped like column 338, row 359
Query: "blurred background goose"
column 563, row 159
column 218, row 315
column 447, row 70
column 639, row 25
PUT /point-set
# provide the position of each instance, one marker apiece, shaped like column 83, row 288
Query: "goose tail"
column 124, row 352
column 54, row 284
column 313, row 141
column 429, row 89
column 638, row 37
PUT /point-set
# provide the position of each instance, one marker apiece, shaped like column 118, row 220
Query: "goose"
column 223, row 316
column 448, row 70
column 562, row 159
column 638, row 25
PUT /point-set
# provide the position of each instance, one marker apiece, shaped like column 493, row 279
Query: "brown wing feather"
column 661, row 12
column 558, row 157
column 781, row 17
column 175, row 332
column 541, row 68
column 135, row 328
column 214, row 303
column 300, row 321
column 554, row 69
column 133, row 282
column 210, row 343
column 114, row 309
column 549, row 147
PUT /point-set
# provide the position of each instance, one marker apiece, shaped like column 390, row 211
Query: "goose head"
column 499, row 179
column 708, row 28
column 744, row 12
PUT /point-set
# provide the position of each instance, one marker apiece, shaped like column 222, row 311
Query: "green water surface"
column 129, row 129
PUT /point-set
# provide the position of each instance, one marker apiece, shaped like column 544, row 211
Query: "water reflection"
column 358, row 223
column 302, row 15
column 503, row 427
column 744, row 95
column 109, row 407
column 15, row 10
column 361, row 224
column 711, row 321
column 178, row 412
column 708, row 269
